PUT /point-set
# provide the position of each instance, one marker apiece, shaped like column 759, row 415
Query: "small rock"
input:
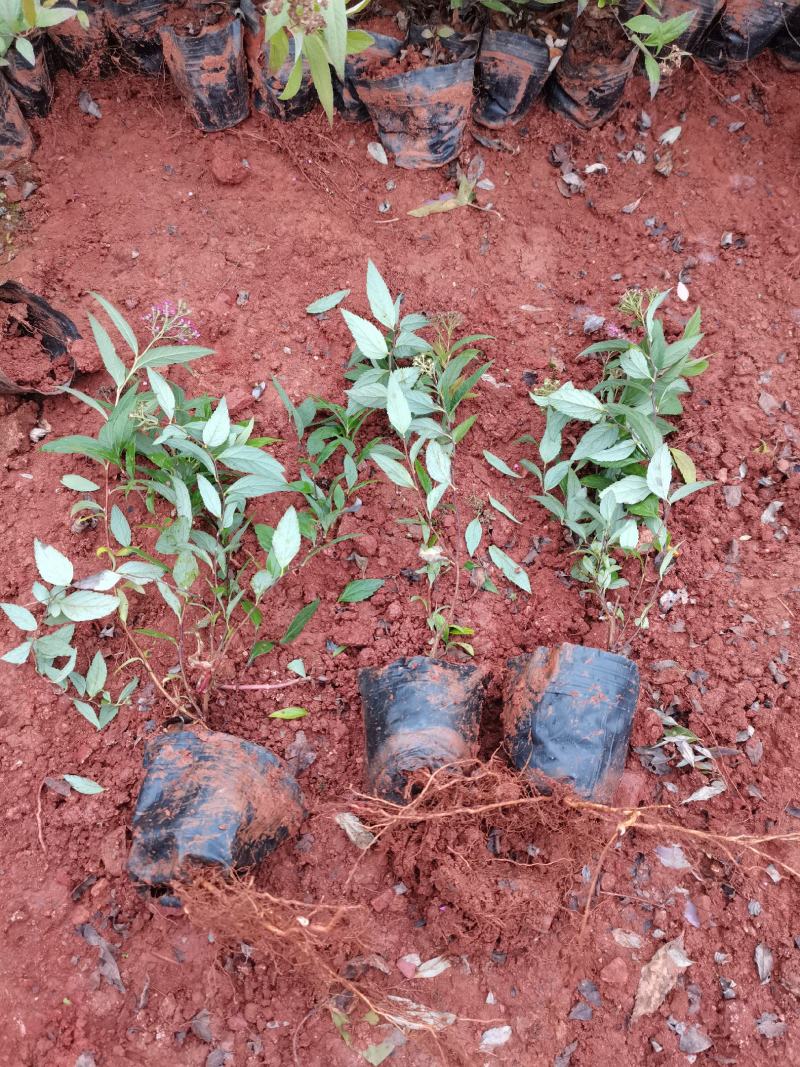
column 582, row 1012
column 242, row 297
column 693, row 1040
column 615, row 972
column 384, row 207
column 732, row 495
column 734, row 127
column 593, row 323
column 768, row 404
column 755, row 750
column 28, row 189
column 201, row 1026
column 728, row 987
column 769, row 1026
column 565, row 1055
column 494, row 1038
column 589, row 991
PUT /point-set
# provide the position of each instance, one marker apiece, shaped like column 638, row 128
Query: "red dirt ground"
column 139, row 206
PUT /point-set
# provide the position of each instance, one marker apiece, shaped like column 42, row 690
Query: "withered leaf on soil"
column 413, row 1016
column 108, row 965
column 659, row 976
column 764, row 962
column 708, row 792
column 768, row 1025
column 355, row 829
column 672, row 856
column 630, row 208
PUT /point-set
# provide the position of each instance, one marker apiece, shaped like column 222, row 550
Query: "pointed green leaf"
column 299, row 622
column 327, row 303
column 83, row 785
column 111, row 361
column 289, row 713
column 360, row 589
column 125, row 331
column 218, row 427
column 20, row 616
column 473, row 535
column 53, row 567
column 120, row 527
column 512, row 570
column 380, row 299
column 499, row 465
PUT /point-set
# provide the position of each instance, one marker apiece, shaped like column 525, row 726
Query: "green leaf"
column 358, row 41
column 659, row 473
column 369, row 339
column 278, row 47
column 320, row 72
column 96, row 675
column 168, row 355
column 111, row 361
column 125, row 331
column 652, row 70
column 52, row 566
column 575, row 403
column 296, row 666
column 78, row 445
column 376, row 1054
column 499, row 465
column 472, row 536
column 685, row 465
column 186, row 570
column 83, row 785
column 393, row 470
column 437, row 461
column 396, row 404
column 596, row 438
column 120, row 527
column 634, row 364
column 210, row 496
column 85, row 605
column 79, row 484
column 628, row 490
column 555, row 475
column 158, row 635
column 687, row 490
column 162, row 391
column 218, row 427
column 512, row 570
column 463, row 428
column 360, row 589
column 286, row 539
column 379, row 297
column 17, row 655
column 87, row 711
column 20, row 616
column 25, row 49
column 295, row 78
column 327, row 303
column 288, row 714
column 300, row 621
column 260, row 648
column 248, row 460
column 503, row 511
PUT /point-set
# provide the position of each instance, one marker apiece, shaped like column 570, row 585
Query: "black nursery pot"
column 54, row 330
column 267, row 87
column 418, row 713
column 345, row 94
column 132, row 26
column 786, row 42
column 30, row 83
column 73, row 46
column 705, row 11
column 16, row 139
column 210, row 799
column 510, row 73
column 210, row 73
column 567, row 717
column 589, row 81
column 743, row 30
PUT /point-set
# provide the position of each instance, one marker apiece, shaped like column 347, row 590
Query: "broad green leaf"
column 512, row 570
column 20, row 616
column 555, row 475
column 108, row 353
column 369, row 339
column 79, row 484
column 87, row 711
column 437, row 462
column 320, row 72
column 53, row 567
column 687, row 490
column 162, row 391
column 120, row 527
column 393, row 470
column 473, row 535
column 358, row 41
column 96, row 675
column 168, row 355
column 634, row 364
column 260, row 648
column 125, row 331
column 218, row 427
column 685, row 465
column 327, row 303
column 659, row 473
column 19, row 654
column 25, row 49
column 289, row 713
column 248, row 460
column 380, row 299
column 85, row 605
column 397, row 408
column 503, row 511
column 295, row 78
column 296, row 666
column 500, row 465
column 79, row 445
column 360, row 589
column 83, row 785
column 186, row 570
column 596, row 438
column 575, row 403
column 210, row 496
column 299, row 622
column 629, row 490
column 286, row 539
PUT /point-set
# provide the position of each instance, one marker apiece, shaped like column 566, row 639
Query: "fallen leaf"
column 565, row 1055
column 355, row 829
column 494, row 1038
column 626, row 938
column 672, row 856
column 378, row 153
column 707, row 792
column 671, row 135
column 630, row 208
column 433, row 967
column 89, row 106
column 659, row 976
column 765, row 961
column 108, row 965
column 413, row 1016
column 768, row 1025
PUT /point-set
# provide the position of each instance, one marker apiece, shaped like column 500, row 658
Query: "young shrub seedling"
column 18, row 18
column 613, row 486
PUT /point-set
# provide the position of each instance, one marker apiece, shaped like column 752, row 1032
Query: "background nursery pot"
column 418, row 712
column 705, row 11
column 420, row 114
column 16, row 139
column 132, row 26
column 73, row 46
column 786, row 42
column 30, row 83
column 209, row 71
column 345, row 94
column 209, row 798
column 34, row 343
column 588, row 83
column 567, row 716
column 510, row 72
column 268, row 86
column 743, row 30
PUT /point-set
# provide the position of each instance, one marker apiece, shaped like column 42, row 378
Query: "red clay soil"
column 140, row 207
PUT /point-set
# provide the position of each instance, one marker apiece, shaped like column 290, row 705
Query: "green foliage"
column 653, row 35
column 320, row 39
column 613, row 486
column 19, row 17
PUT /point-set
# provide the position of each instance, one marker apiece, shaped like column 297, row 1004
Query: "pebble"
column 593, row 323
column 732, row 495
column 615, row 973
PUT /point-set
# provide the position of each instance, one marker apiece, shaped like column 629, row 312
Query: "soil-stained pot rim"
column 178, row 48
column 416, row 146
column 345, row 94
column 54, row 344
column 517, row 52
column 11, row 119
column 438, row 728
column 31, row 83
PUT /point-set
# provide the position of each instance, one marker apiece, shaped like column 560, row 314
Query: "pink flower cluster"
column 168, row 321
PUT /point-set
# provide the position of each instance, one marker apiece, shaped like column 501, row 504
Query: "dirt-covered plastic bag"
column 30, row 82
column 345, row 94
column 16, row 139
column 418, row 713
column 786, row 42
column 510, row 73
column 133, row 28
column 567, row 716
column 209, row 799
column 743, row 29
column 35, row 340
column 209, row 70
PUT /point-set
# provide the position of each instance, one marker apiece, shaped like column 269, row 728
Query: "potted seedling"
column 610, row 476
